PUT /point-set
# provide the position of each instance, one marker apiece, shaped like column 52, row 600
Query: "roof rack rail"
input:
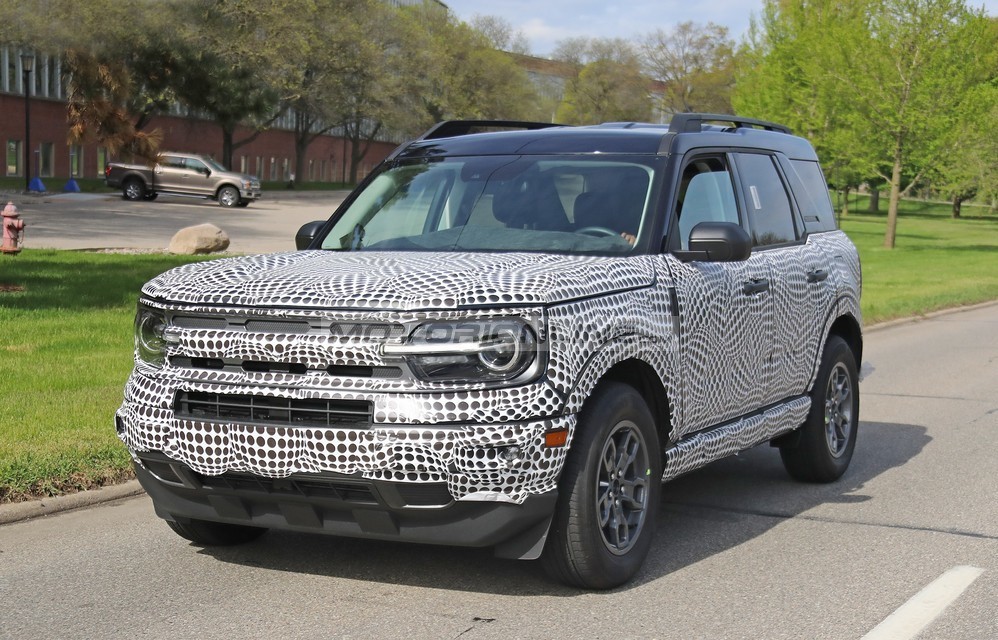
column 453, row 128
column 693, row 122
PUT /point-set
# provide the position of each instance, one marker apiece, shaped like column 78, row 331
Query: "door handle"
column 817, row 275
column 755, row 285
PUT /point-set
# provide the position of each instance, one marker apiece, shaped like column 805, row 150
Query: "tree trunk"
column 227, row 134
column 957, row 203
column 874, row 201
column 892, row 207
column 845, row 202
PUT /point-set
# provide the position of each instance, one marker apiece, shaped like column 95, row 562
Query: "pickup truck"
column 183, row 174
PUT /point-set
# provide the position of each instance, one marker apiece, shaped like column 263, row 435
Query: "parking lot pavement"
column 106, row 221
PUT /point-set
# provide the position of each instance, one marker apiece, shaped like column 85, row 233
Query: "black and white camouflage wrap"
column 314, row 308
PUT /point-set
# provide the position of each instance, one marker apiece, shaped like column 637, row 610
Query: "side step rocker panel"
column 705, row 447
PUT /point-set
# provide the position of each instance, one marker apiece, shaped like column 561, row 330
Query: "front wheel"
column 609, row 493
column 828, row 437
column 215, row 534
column 228, row 196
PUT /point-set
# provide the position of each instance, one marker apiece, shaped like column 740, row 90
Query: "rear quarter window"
column 811, row 192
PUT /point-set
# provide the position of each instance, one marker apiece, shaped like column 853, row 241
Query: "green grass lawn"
column 938, row 262
column 65, row 351
column 66, row 339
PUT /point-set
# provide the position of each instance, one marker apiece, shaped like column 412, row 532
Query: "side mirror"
column 308, row 233
column 717, row 242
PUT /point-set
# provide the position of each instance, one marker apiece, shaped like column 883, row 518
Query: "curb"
column 18, row 511
column 890, row 324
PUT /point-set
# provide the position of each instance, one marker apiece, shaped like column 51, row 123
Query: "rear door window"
column 767, row 203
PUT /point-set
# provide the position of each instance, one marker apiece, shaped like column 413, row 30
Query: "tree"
column 610, row 85
column 971, row 165
column 695, row 64
column 880, row 81
column 110, row 94
column 501, row 34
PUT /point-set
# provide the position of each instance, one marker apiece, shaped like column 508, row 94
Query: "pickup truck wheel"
column 228, row 196
column 133, row 189
column 609, row 493
column 828, row 437
column 215, row 534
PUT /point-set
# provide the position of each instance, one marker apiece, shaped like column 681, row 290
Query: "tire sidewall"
column 138, row 193
column 233, row 202
column 827, row 465
column 612, row 404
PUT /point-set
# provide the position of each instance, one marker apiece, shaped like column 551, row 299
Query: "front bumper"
column 346, row 506
column 250, row 194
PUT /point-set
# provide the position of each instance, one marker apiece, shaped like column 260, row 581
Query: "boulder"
column 201, row 238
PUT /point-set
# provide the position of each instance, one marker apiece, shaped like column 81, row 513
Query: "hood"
column 397, row 280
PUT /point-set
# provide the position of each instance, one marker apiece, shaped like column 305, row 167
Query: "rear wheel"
column 133, row 189
column 228, row 196
column 215, row 534
column 828, row 437
column 609, row 493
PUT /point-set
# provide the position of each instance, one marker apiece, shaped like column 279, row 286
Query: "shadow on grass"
column 78, row 281
column 702, row 514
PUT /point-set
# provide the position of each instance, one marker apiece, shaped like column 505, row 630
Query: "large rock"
column 201, row 238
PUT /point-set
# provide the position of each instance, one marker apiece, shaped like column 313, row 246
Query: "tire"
column 215, row 534
column 152, row 195
column 828, row 437
column 133, row 189
column 243, row 203
column 228, row 197
column 584, row 548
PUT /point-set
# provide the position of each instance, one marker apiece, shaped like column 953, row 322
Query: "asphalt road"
column 106, row 221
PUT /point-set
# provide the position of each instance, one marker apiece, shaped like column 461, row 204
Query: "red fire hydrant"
column 13, row 229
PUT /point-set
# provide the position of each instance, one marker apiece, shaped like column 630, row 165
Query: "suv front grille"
column 293, row 412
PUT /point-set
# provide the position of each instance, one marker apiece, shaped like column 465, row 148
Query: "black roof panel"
column 614, row 138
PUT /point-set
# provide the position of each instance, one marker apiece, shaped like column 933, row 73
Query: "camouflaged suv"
column 509, row 335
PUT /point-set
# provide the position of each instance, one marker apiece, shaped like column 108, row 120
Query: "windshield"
column 214, row 165
column 562, row 204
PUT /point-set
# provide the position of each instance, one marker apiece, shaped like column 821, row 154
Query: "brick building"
column 270, row 156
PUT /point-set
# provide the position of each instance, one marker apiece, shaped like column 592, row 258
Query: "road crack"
column 796, row 516
column 477, row 623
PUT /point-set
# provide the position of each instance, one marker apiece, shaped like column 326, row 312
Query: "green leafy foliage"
column 876, row 84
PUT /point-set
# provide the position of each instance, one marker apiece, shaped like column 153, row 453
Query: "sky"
column 544, row 22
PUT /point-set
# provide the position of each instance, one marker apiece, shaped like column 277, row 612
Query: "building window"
column 273, row 168
column 75, row 161
column 243, row 164
column 45, row 164
column 101, row 161
column 259, row 168
column 14, row 156
column 285, row 170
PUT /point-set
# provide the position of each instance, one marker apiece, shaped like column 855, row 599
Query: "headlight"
column 247, row 184
column 470, row 351
column 150, row 343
